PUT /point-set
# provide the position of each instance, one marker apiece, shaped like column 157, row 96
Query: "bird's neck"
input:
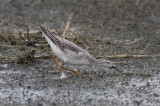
column 102, row 63
column 98, row 62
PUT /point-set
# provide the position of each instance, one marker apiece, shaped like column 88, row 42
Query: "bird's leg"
column 59, row 68
column 73, row 71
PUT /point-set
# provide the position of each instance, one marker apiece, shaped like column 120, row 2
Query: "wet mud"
column 124, row 31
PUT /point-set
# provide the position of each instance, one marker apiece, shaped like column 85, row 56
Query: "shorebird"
column 71, row 53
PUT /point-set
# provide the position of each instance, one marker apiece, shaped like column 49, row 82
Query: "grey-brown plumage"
column 70, row 52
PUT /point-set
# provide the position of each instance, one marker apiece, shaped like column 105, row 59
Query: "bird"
column 71, row 53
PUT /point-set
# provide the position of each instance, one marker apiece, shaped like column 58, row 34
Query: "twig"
column 128, row 56
column 130, row 74
column 43, row 57
column 109, row 57
column 137, row 74
column 27, row 29
column 32, row 68
column 137, row 2
column 41, row 41
column 5, row 45
column 32, row 32
column 67, row 25
column 7, row 58
column 119, row 63
column 2, row 35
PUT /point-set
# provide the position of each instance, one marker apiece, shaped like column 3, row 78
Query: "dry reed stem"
column 43, row 57
column 110, row 57
column 2, row 35
column 32, row 33
column 27, row 30
column 137, row 2
column 5, row 45
column 128, row 56
column 119, row 62
column 67, row 25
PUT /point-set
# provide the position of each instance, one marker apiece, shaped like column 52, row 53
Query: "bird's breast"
column 56, row 50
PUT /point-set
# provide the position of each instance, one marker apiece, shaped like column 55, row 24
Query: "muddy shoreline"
column 103, row 28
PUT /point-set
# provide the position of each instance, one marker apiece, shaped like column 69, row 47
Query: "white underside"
column 70, row 56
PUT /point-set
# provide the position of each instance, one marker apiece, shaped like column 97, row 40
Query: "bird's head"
column 107, row 63
column 104, row 62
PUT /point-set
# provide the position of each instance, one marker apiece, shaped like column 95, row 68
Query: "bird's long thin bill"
column 115, row 68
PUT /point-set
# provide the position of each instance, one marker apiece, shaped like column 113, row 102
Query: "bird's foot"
column 73, row 71
column 59, row 70
column 63, row 76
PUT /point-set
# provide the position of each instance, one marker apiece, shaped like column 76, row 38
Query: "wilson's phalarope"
column 71, row 53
